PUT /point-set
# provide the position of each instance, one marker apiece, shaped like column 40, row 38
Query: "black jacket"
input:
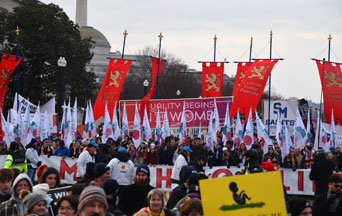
column 177, row 194
column 133, row 198
column 321, row 206
column 320, row 173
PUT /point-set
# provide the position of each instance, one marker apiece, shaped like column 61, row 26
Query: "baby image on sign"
column 253, row 194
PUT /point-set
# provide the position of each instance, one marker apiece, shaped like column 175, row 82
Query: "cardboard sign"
column 252, row 195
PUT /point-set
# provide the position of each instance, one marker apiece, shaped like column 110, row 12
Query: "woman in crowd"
column 76, row 149
column 35, row 204
column 152, row 156
column 290, row 160
column 50, row 176
column 155, row 206
column 240, row 152
column 138, row 158
column 131, row 152
column 67, row 206
column 192, row 207
column 271, row 156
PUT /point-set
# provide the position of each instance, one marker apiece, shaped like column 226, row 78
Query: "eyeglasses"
column 194, row 196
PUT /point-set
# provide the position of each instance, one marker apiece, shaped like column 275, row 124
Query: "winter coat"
column 133, row 197
column 177, row 194
column 321, row 206
column 180, row 162
column 32, row 157
column 82, row 161
column 122, row 169
column 320, row 173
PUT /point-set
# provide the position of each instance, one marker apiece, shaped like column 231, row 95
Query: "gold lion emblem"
column 258, row 72
column 333, row 79
column 123, row 166
column 212, row 79
column 114, row 78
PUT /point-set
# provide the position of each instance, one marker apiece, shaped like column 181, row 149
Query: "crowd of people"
column 113, row 177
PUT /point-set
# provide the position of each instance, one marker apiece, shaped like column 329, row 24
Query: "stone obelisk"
column 81, row 13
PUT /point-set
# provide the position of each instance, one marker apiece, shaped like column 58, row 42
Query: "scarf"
column 162, row 213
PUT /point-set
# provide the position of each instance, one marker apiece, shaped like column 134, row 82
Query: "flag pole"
column 160, row 39
column 269, row 88
column 250, row 50
column 124, row 43
column 215, row 39
column 17, row 57
column 329, row 39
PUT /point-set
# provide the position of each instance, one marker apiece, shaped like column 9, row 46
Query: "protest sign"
column 253, row 194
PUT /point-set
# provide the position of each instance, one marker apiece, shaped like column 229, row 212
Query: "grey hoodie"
column 20, row 204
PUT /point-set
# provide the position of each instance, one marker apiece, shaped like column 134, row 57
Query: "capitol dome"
column 95, row 35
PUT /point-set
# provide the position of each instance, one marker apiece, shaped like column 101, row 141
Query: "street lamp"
column 145, row 84
column 61, row 62
column 178, row 92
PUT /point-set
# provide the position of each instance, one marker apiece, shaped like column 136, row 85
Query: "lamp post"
column 178, row 93
column 61, row 64
column 145, row 84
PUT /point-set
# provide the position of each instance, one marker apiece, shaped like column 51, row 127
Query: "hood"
column 123, row 156
column 20, row 177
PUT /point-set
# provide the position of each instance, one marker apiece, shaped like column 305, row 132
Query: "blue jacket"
column 64, row 151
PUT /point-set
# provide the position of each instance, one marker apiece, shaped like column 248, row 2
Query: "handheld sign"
column 252, row 195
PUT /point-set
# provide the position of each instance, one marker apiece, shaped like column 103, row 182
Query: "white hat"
column 224, row 149
column 41, row 189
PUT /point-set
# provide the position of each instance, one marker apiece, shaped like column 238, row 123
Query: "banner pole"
column 160, row 39
column 17, row 57
column 320, row 107
column 124, row 43
column 215, row 39
column 329, row 39
column 269, row 88
column 250, row 50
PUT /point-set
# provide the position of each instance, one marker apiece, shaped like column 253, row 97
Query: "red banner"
column 152, row 91
column 111, row 87
column 212, row 79
column 7, row 67
column 331, row 80
column 250, row 91
column 197, row 110
column 242, row 69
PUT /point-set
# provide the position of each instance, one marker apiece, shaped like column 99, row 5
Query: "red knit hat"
column 268, row 166
column 40, row 170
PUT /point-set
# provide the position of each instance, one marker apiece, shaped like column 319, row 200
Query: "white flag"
column 166, row 126
column 92, row 128
column 124, row 126
column 5, row 130
column 157, row 135
column 74, row 119
column 27, row 135
column 86, row 122
column 262, row 134
column 211, row 136
column 146, row 128
column 299, row 131
column 308, row 129
column 323, row 140
column 136, row 128
column 288, row 142
column 332, row 130
column 68, row 130
column 238, row 135
column 279, row 131
column 248, row 136
column 107, row 131
column 199, row 135
column 216, row 119
column 182, row 127
column 227, row 134
column 17, row 125
column 35, row 124
column 45, row 132
column 115, row 125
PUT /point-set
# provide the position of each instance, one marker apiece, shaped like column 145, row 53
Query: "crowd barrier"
column 295, row 182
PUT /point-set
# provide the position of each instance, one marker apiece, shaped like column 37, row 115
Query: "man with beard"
column 121, row 168
column 134, row 196
column 93, row 202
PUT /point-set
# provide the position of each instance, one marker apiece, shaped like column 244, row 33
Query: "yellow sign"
column 247, row 195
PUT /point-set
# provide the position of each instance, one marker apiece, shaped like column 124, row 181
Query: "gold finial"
column 271, row 34
column 125, row 33
column 215, row 38
column 160, row 36
column 18, row 30
column 251, row 40
column 329, row 38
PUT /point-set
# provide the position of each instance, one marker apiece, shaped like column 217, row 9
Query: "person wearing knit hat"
column 85, row 157
column 134, row 197
column 300, row 207
column 50, row 176
column 102, row 172
column 35, row 204
column 92, row 201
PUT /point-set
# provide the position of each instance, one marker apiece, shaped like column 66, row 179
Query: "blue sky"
column 300, row 31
